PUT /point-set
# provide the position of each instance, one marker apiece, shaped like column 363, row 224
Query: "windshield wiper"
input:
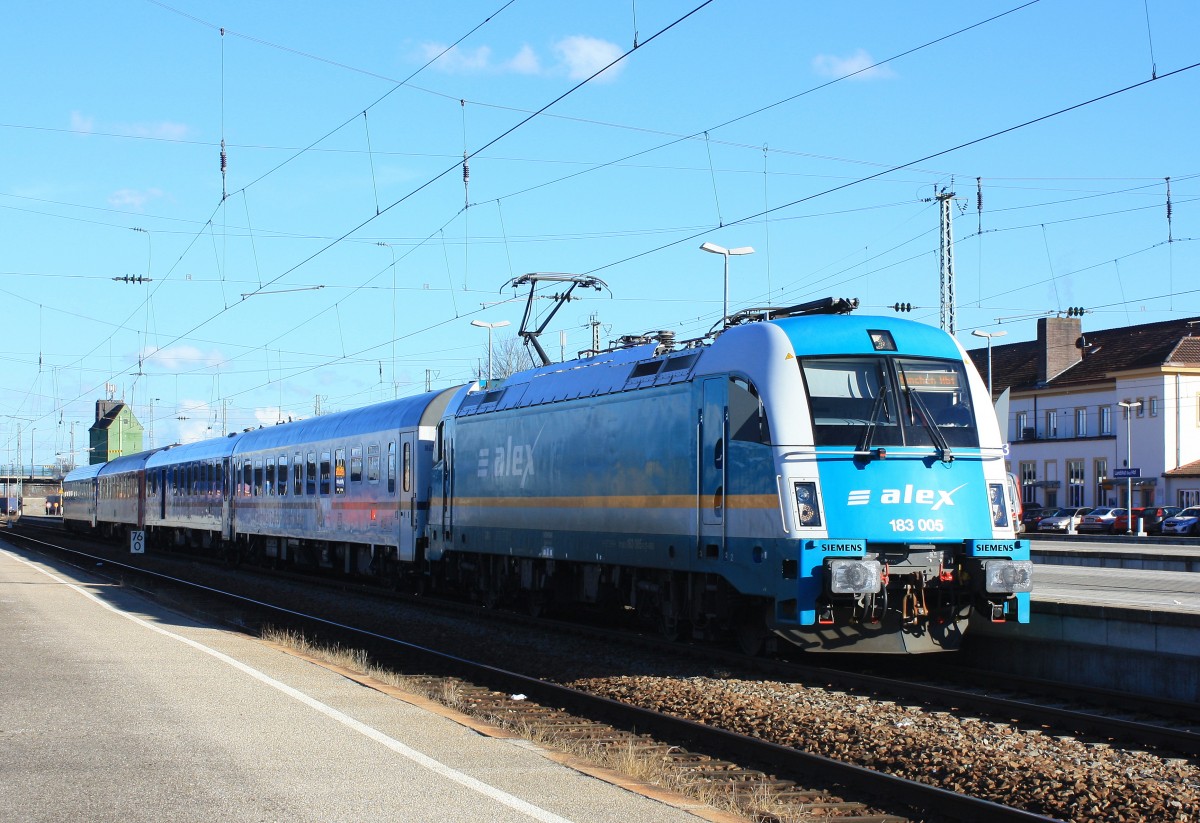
column 939, row 440
column 864, row 445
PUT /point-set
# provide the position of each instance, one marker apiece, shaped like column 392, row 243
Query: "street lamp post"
column 989, row 336
column 489, row 326
column 1129, row 406
column 724, row 252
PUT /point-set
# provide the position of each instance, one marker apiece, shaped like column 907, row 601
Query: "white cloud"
column 456, row 60
column 525, row 62
column 158, row 131
column 86, row 124
column 828, row 65
column 82, row 124
column 269, row 415
column 183, row 358
column 132, row 198
column 583, row 56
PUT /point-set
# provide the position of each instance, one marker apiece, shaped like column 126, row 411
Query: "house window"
column 1154, row 407
column 1074, row 482
column 1022, row 425
column 1028, row 479
column 1106, row 420
column 1081, row 422
column 1141, row 407
column 1101, row 467
column 1051, row 424
column 1189, row 497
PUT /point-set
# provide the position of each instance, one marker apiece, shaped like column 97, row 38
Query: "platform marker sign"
column 1136, row 472
column 137, row 542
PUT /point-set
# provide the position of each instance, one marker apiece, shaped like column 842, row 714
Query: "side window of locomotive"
column 391, row 468
column 373, row 463
column 356, row 464
column 324, row 473
column 339, row 471
column 310, row 474
column 407, row 467
column 747, row 417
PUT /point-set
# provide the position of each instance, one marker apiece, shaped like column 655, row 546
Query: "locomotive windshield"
column 866, row 402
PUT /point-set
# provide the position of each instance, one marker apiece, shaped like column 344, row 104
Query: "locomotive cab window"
column 867, row 402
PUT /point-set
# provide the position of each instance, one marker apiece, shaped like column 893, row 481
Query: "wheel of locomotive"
column 750, row 630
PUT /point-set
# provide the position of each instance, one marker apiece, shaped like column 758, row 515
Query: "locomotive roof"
column 646, row 365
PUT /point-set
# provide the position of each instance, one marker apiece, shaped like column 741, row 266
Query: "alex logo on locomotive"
column 907, row 495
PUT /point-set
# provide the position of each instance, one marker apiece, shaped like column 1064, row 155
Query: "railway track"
column 785, row 763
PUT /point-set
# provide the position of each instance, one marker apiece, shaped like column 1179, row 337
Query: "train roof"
column 83, row 472
column 604, row 373
column 649, row 364
column 407, row 412
column 214, row 449
column 828, row 334
column 128, row 462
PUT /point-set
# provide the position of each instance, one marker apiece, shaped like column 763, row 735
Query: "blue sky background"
column 347, row 259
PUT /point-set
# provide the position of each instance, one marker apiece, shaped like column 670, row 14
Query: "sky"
column 333, row 256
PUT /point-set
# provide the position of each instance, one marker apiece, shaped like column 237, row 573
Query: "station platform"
column 114, row 708
column 1110, row 613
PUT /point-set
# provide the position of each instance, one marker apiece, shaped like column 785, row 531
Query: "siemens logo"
column 934, row 498
column 988, row 548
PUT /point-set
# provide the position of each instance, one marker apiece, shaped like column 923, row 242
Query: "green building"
column 115, row 432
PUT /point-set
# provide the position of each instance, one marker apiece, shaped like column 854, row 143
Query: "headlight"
column 854, row 576
column 999, row 510
column 1008, row 576
column 808, row 510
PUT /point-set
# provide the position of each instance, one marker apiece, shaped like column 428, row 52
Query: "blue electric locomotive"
column 837, row 481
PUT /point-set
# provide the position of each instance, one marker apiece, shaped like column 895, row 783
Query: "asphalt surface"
column 115, row 709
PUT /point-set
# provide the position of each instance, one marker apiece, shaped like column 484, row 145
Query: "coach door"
column 712, row 460
column 408, row 497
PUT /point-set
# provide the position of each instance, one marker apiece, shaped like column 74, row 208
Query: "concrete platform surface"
column 115, row 709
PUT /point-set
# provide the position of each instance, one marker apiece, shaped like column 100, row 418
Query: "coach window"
column 406, row 467
column 310, row 474
column 339, row 471
column 258, row 476
column 247, row 477
column 298, row 474
column 281, row 475
column 269, row 488
column 391, row 468
column 356, row 464
column 324, row 473
column 373, row 463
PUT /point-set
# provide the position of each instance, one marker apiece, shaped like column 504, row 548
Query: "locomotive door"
column 711, row 500
column 408, row 499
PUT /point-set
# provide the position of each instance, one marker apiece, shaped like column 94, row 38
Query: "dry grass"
column 634, row 759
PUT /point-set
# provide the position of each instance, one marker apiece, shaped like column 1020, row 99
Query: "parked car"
column 1059, row 521
column 1100, row 519
column 1152, row 518
column 1186, row 522
column 1033, row 515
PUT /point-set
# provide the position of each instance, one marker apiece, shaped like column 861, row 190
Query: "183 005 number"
column 905, row 524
